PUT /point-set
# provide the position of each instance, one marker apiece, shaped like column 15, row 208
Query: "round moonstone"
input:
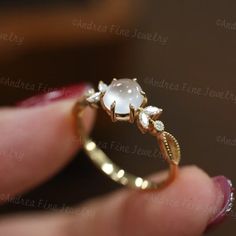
column 124, row 92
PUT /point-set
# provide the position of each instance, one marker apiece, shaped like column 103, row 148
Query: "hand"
column 41, row 132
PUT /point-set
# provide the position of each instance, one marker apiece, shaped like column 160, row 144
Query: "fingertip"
column 182, row 208
column 191, row 199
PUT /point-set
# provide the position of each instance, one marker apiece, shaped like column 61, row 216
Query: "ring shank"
column 101, row 160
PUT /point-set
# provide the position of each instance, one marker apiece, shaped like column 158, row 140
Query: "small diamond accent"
column 94, row 98
column 152, row 111
column 89, row 92
column 102, row 87
column 230, row 183
column 159, row 126
column 144, row 120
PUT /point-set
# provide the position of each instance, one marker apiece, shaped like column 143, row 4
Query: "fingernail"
column 225, row 186
column 55, row 95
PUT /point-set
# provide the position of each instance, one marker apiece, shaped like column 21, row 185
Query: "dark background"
column 196, row 46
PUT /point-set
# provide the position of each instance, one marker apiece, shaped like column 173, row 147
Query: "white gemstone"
column 124, row 92
column 94, row 98
column 151, row 111
column 102, row 87
column 159, row 126
column 144, row 120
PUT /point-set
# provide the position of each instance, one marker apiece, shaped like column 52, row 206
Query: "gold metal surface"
column 169, row 147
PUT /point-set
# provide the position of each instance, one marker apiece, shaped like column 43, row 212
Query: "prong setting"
column 112, row 109
column 145, row 100
column 119, row 110
column 131, row 114
column 143, row 93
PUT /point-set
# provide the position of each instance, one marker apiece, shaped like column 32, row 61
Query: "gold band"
column 168, row 144
column 119, row 175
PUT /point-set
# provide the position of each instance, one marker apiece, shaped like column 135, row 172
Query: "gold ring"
column 124, row 100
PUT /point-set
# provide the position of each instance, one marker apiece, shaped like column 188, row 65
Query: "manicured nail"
column 225, row 186
column 54, row 95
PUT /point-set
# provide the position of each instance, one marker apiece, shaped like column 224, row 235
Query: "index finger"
column 37, row 141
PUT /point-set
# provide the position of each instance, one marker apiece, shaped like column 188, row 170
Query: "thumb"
column 192, row 203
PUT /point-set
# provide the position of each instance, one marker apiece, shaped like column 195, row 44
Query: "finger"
column 38, row 139
column 186, row 207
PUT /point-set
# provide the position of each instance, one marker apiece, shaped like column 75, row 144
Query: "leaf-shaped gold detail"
column 169, row 147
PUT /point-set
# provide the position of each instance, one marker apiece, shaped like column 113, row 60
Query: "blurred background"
column 183, row 54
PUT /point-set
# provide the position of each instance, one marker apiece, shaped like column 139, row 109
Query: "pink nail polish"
column 226, row 187
column 55, row 95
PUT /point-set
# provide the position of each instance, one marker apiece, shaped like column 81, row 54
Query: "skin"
column 183, row 208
